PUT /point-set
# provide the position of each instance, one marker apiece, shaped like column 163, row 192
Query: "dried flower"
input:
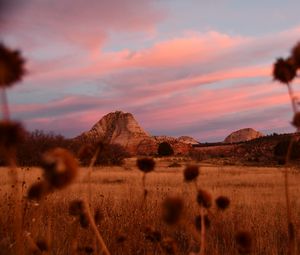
column 198, row 222
column 172, row 210
column 37, row 190
column 11, row 134
column 296, row 120
column 60, row 167
column 244, row 242
column 204, row 198
column 222, row 202
column 146, row 165
column 284, row 71
column 11, row 66
column 191, row 173
column 296, row 54
column 42, row 245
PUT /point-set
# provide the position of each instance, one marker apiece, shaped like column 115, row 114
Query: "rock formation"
column 179, row 147
column 119, row 128
column 188, row 140
column 122, row 128
column 242, row 135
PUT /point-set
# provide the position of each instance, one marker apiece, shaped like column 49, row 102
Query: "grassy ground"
column 257, row 205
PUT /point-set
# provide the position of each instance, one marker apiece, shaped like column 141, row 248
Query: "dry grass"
column 257, row 205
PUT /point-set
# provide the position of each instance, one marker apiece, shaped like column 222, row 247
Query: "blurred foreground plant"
column 285, row 71
column 12, row 70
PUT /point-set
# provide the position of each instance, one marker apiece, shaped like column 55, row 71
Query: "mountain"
column 242, row 135
column 122, row 128
column 119, row 128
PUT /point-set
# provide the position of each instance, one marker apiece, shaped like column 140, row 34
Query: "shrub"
column 165, row 149
column 281, row 148
column 108, row 154
column 36, row 143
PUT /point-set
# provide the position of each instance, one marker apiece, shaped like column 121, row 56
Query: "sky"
column 201, row 68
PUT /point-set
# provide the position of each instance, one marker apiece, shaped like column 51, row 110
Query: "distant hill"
column 258, row 151
column 242, row 135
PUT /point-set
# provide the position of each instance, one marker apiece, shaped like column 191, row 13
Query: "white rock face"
column 243, row 135
column 188, row 140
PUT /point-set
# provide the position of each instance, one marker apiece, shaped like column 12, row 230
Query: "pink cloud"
column 210, row 52
column 195, row 49
column 83, row 22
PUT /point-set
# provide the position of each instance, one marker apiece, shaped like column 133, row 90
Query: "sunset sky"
column 182, row 67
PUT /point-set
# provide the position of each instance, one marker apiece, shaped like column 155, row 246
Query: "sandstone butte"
column 242, row 135
column 122, row 128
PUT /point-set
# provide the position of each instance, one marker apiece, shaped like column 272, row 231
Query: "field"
column 257, row 205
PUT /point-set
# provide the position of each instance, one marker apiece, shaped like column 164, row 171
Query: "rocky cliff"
column 242, row 135
column 117, row 127
column 122, row 128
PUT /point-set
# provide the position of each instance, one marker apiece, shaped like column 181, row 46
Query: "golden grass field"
column 257, row 205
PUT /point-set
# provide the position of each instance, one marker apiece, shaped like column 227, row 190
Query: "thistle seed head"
column 11, row 66
column 296, row 54
column 296, row 120
column 146, row 165
column 60, row 167
column 42, row 245
column 11, row 134
column 222, row 202
column 204, row 198
column 191, row 173
column 284, row 71
column 38, row 190
column 244, row 242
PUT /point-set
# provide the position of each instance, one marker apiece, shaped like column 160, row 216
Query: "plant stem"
column 291, row 94
column 18, row 221
column 144, row 186
column 286, row 179
column 202, row 250
column 287, row 197
column 103, row 248
column 90, row 170
column 5, row 108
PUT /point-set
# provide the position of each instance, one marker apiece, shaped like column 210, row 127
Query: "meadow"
column 257, row 205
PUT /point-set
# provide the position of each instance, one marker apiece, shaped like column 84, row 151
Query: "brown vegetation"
column 122, row 215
